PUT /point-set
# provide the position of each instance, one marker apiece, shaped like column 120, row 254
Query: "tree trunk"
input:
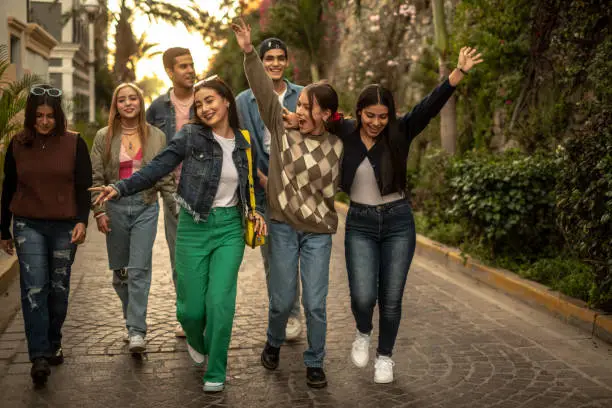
column 314, row 72
column 448, row 114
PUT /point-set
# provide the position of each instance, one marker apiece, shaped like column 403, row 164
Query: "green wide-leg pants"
column 208, row 256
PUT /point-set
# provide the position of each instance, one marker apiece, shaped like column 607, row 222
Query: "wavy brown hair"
column 114, row 119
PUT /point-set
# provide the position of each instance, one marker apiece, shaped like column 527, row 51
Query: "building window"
column 16, row 54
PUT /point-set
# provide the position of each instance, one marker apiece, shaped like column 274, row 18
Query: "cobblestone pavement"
column 460, row 345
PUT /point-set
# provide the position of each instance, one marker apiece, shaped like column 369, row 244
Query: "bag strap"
column 249, row 154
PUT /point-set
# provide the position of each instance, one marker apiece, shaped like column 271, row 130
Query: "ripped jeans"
column 45, row 259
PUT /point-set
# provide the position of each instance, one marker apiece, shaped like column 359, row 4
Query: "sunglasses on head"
column 210, row 78
column 38, row 90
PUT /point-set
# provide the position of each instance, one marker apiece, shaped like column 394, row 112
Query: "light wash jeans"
column 265, row 255
column 45, row 256
column 312, row 251
column 129, row 244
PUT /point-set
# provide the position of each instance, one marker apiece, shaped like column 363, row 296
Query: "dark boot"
column 315, row 377
column 40, row 371
column 270, row 357
column 57, row 358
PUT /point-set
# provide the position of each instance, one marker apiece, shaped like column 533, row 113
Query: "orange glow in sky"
column 167, row 35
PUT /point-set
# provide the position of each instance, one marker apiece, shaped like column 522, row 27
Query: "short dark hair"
column 32, row 104
column 171, row 54
column 222, row 89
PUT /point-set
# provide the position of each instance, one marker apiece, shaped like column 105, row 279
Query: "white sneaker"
column 293, row 329
column 179, row 332
column 213, row 386
column 383, row 370
column 360, row 353
column 197, row 357
column 137, row 344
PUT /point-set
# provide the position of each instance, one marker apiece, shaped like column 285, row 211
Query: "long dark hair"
column 222, row 89
column 29, row 121
column 393, row 161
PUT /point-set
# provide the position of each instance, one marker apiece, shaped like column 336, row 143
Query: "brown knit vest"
column 45, row 178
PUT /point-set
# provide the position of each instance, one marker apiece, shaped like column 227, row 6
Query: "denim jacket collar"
column 291, row 89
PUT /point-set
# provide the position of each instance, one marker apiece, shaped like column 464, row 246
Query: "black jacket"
column 408, row 127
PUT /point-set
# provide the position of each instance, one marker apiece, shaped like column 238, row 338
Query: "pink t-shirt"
column 181, row 113
column 128, row 165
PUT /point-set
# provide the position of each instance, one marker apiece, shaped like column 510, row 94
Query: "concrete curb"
column 570, row 310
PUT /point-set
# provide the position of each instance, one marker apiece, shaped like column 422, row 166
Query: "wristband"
column 462, row 71
column 99, row 215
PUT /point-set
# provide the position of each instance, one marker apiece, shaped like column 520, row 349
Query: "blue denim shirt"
column 251, row 120
column 202, row 158
column 162, row 115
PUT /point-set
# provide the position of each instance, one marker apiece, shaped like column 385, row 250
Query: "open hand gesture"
column 468, row 57
column 106, row 193
column 243, row 35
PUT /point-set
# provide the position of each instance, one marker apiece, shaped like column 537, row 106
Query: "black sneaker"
column 40, row 371
column 57, row 358
column 315, row 377
column 270, row 357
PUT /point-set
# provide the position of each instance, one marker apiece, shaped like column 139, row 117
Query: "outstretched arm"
column 419, row 117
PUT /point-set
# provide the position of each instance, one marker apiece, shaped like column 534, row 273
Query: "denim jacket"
column 161, row 114
column 202, row 156
column 251, row 120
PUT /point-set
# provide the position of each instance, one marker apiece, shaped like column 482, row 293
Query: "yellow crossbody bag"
column 253, row 240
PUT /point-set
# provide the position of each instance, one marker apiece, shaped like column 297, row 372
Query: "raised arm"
column 261, row 84
column 419, row 117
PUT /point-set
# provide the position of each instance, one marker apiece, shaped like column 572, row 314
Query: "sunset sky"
column 167, row 35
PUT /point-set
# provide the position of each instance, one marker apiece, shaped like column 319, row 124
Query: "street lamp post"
column 92, row 7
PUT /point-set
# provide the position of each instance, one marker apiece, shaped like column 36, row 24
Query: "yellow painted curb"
column 568, row 309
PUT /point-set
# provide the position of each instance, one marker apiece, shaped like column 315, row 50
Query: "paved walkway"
column 460, row 345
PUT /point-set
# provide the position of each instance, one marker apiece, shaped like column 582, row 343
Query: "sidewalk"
column 460, row 345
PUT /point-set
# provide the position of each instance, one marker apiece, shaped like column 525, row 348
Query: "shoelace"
column 361, row 343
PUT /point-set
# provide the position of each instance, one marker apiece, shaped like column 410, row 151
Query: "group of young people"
column 193, row 146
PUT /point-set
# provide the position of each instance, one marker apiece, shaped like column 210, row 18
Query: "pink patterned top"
column 128, row 165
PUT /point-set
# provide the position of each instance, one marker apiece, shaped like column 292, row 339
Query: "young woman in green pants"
column 213, row 195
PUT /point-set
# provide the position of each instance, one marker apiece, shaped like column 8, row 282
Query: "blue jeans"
column 45, row 259
column 129, row 245
column 265, row 255
column 313, row 251
column 379, row 246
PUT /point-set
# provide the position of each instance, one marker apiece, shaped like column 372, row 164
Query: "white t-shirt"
column 227, row 194
column 267, row 139
column 365, row 189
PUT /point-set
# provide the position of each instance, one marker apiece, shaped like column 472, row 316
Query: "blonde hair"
column 113, row 116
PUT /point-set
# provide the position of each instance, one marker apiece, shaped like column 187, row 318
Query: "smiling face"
column 45, row 119
column 374, row 118
column 128, row 103
column 310, row 124
column 211, row 107
column 275, row 62
column 182, row 73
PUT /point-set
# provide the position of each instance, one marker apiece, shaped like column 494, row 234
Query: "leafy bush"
column 431, row 194
column 569, row 276
column 584, row 201
column 506, row 200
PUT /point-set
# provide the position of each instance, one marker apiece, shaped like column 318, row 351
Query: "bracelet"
column 99, row 215
column 462, row 71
